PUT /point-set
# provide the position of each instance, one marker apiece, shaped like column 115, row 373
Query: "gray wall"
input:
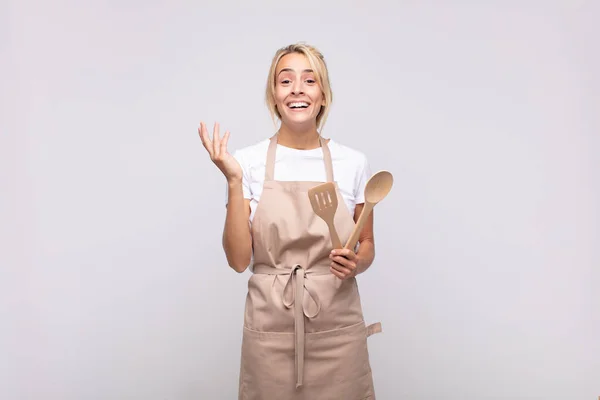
column 113, row 283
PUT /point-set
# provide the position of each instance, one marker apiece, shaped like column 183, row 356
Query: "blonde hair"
column 317, row 64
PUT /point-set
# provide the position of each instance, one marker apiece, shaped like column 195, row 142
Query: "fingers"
column 217, row 146
column 344, row 263
column 341, row 272
column 223, row 148
column 347, row 253
column 337, row 273
column 343, row 267
column 216, row 141
column 205, row 139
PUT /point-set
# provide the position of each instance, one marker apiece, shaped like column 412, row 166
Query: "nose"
column 297, row 87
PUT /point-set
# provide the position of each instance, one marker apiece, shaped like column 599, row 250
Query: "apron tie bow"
column 291, row 292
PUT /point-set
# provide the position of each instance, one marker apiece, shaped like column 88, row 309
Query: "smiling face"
column 298, row 97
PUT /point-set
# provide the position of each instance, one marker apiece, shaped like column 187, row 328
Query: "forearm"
column 365, row 255
column 366, row 249
column 237, row 240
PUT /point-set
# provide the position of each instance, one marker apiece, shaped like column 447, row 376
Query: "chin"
column 300, row 119
column 304, row 123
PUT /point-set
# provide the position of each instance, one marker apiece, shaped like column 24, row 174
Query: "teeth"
column 298, row 105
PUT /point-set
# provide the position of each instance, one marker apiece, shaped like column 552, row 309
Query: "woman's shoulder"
column 353, row 169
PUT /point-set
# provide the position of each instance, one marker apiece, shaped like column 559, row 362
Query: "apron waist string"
column 293, row 295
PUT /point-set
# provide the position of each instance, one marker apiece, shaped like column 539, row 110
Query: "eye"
column 285, row 81
column 310, row 81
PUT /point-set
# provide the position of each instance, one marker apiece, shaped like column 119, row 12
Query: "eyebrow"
column 291, row 70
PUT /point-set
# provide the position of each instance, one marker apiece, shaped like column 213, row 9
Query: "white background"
column 113, row 282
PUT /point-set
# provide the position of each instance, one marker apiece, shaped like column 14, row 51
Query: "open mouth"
column 298, row 105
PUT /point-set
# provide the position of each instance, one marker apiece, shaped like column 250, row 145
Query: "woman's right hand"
column 217, row 149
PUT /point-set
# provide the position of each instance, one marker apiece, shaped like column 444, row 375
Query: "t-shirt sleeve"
column 245, row 177
column 363, row 173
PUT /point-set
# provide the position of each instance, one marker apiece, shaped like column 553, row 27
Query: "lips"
column 298, row 105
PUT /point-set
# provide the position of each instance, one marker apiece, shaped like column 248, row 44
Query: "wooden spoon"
column 378, row 186
column 324, row 203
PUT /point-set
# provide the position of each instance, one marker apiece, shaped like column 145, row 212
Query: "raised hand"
column 217, row 149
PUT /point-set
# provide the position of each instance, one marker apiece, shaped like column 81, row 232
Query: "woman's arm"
column 366, row 249
column 237, row 239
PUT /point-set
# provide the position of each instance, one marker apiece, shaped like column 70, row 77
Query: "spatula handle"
column 335, row 239
column 351, row 243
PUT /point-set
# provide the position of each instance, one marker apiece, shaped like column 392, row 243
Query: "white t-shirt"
column 351, row 170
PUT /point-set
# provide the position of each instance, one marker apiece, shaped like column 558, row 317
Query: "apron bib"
column 304, row 334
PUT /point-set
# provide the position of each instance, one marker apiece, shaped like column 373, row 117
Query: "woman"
column 304, row 335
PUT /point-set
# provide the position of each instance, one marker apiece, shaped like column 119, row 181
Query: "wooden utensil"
column 378, row 186
column 324, row 202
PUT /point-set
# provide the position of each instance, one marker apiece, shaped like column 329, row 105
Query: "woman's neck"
column 300, row 139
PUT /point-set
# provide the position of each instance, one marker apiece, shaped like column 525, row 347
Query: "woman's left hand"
column 344, row 263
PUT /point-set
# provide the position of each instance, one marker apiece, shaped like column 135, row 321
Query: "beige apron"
column 304, row 334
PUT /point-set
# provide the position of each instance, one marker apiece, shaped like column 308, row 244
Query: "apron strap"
column 327, row 159
column 373, row 328
column 270, row 167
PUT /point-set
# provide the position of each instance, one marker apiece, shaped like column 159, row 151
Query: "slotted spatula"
column 324, row 202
